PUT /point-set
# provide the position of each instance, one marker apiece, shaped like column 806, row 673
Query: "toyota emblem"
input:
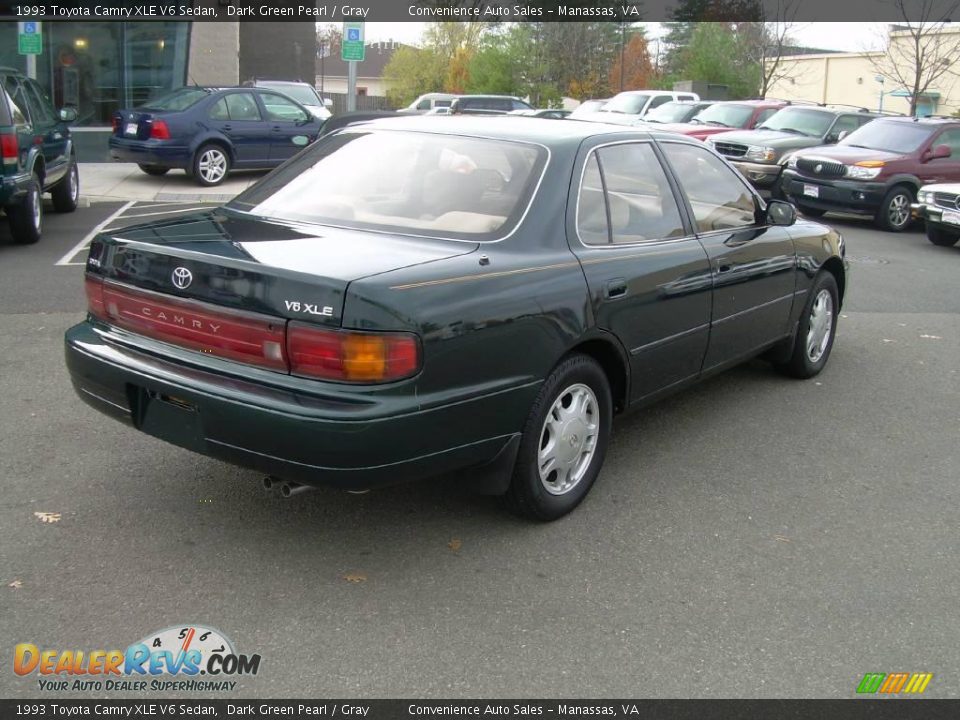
column 818, row 168
column 181, row 278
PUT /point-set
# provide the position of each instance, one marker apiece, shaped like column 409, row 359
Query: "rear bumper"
column 306, row 439
column 854, row 196
column 12, row 188
column 149, row 152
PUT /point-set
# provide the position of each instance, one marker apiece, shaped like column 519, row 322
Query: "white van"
column 629, row 106
column 428, row 102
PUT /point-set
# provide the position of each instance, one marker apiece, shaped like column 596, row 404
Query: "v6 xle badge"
column 310, row 309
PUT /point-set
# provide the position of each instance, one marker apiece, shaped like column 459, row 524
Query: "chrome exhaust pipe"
column 289, row 489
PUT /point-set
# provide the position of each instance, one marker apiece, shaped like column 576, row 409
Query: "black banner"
column 483, row 10
column 855, row 709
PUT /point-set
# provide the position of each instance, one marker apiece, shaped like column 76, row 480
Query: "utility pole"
column 623, row 32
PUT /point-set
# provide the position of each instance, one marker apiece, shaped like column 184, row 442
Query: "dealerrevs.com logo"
column 178, row 658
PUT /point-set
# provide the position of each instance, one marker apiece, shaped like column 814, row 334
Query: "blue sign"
column 353, row 34
column 29, row 28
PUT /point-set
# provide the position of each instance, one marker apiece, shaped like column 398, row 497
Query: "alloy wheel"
column 898, row 211
column 212, row 165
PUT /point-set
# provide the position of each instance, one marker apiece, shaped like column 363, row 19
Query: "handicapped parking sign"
column 29, row 38
column 353, row 34
column 352, row 47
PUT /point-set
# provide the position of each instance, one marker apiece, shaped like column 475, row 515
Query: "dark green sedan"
column 417, row 296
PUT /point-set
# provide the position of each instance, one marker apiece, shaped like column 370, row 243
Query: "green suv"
column 761, row 153
column 37, row 155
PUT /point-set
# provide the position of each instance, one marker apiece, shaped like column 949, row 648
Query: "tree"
column 411, row 72
column 919, row 53
column 714, row 56
column 632, row 69
column 762, row 45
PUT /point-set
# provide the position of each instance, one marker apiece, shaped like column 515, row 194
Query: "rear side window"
column 592, row 225
column 18, row 100
column 242, row 106
column 640, row 205
column 218, row 111
column 719, row 198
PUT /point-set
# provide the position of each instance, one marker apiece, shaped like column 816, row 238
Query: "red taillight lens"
column 351, row 356
column 229, row 334
column 93, row 287
column 115, row 123
column 159, row 130
column 8, row 148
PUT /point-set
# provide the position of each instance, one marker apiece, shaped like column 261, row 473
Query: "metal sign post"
column 352, row 51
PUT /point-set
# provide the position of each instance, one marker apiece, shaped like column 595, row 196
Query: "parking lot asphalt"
column 753, row 537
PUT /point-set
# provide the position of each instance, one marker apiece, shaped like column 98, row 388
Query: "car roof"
column 937, row 120
column 282, row 82
column 519, row 128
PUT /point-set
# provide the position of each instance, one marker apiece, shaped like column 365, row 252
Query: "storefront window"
column 100, row 67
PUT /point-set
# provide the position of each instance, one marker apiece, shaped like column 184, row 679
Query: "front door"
column 753, row 264
column 648, row 276
column 939, row 170
column 291, row 126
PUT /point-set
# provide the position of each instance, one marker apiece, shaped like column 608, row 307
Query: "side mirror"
column 940, row 151
column 832, row 138
column 780, row 212
column 68, row 114
column 327, row 103
column 842, row 135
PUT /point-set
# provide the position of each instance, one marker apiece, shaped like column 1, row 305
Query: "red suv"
column 875, row 170
column 725, row 116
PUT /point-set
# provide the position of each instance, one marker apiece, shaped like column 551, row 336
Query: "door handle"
column 227, row 128
column 724, row 268
column 616, row 288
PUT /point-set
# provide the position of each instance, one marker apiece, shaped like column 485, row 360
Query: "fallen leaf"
column 47, row 517
column 16, row 584
column 455, row 544
column 931, row 337
column 886, row 340
column 781, row 538
column 355, row 577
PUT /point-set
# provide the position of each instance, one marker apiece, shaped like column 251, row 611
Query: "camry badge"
column 181, row 278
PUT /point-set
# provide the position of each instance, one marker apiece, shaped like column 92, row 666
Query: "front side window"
column 719, row 198
column 845, row 123
column 280, row 108
column 40, row 104
column 242, row 106
column 639, row 204
column 950, row 138
column 408, row 182
column 423, row 105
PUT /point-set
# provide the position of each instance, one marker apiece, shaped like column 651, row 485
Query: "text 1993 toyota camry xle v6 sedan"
column 414, row 296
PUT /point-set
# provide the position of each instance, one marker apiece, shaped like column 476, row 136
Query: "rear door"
column 648, row 275
column 47, row 126
column 753, row 265
column 291, row 127
column 237, row 116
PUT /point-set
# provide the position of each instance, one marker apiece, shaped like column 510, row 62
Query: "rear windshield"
column 409, row 182
column 628, row 104
column 898, row 137
column 177, row 100
column 731, row 116
column 303, row 94
column 797, row 121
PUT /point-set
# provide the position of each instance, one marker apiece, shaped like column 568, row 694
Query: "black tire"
column 204, row 160
column 154, row 169
column 811, row 211
column 26, row 217
column 893, row 214
column 803, row 363
column 66, row 193
column 939, row 236
column 578, row 376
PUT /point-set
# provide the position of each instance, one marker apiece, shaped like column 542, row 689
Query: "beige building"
column 852, row 79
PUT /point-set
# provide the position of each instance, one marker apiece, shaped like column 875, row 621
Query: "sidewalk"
column 102, row 182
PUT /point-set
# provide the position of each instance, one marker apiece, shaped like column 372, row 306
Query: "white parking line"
column 82, row 245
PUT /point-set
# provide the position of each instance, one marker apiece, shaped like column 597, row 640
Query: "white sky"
column 829, row 36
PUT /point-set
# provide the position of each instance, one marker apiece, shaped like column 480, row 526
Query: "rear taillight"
column 229, row 334
column 93, row 287
column 351, row 356
column 8, row 148
column 159, row 130
column 115, row 123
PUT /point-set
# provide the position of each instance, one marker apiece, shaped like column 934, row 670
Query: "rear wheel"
column 211, row 165
column 26, row 218
column 154, row 169
column 811, row 211
column 564, row 441
column 66, row 193
column 894, row 212
column 938, row 236
column 816, row 329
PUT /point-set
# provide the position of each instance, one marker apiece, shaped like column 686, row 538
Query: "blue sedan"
column 210, row 131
